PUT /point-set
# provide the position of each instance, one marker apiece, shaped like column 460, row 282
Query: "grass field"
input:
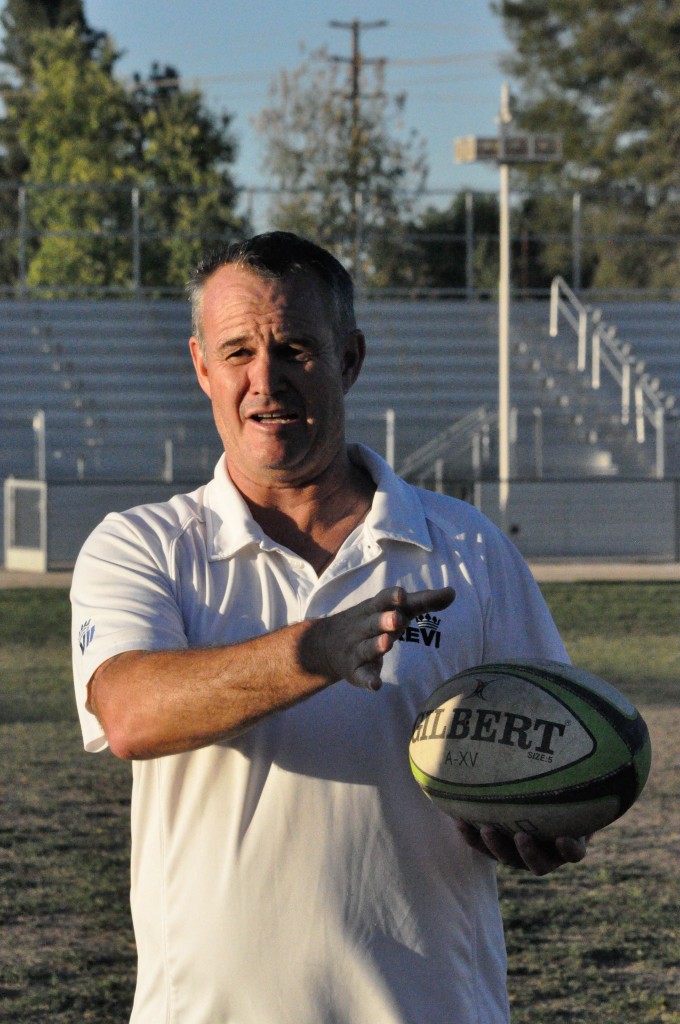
column 596, row 943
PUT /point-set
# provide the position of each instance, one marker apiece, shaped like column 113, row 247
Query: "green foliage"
column 76, row 129
column 181, row 145
column 437, row 246
column 21, row 19
column 344, row 167
column 604, row 75
column 81, row 142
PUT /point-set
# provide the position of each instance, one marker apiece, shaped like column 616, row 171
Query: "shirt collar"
column 229, row 523
column 396, row 514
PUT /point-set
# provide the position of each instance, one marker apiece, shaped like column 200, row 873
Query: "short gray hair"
column 273, row 256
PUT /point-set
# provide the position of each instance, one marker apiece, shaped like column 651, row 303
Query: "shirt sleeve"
column 123, row 598
column 518, row 623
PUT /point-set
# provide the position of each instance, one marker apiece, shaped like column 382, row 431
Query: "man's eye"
column 237, row 355
column 299, row 354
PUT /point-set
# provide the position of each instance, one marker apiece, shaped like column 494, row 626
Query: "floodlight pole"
column 504, row 321
column 507, row 148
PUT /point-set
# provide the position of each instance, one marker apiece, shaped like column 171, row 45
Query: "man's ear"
column 200, row 364
column 352, row 358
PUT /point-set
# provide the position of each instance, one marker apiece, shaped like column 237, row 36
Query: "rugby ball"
column 531, row 746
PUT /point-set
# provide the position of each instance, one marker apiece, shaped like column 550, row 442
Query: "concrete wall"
column 590, row 518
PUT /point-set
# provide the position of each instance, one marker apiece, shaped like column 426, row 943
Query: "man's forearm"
column 152, row 703
column 166, row 702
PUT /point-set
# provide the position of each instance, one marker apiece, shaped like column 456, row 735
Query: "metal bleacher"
column 116, row 384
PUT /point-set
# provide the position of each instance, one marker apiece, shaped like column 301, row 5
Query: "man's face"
column 276, row 376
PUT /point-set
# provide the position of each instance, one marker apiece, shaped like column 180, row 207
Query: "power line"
column 452, row 58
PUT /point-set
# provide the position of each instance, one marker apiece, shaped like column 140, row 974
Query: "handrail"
column 389, row 416
column 563, row 300
column 606, row 350
column 467, row 427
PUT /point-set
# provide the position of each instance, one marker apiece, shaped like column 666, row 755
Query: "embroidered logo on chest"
column 425, row 631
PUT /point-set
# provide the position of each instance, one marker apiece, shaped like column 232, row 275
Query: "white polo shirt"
column 297, row 874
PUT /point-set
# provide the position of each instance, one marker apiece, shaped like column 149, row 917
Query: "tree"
column 349, row 178
column 77, row 131
column 19, row 21
column 86, row 144
column 604, row 74
column 183, row 155
column 438, row 245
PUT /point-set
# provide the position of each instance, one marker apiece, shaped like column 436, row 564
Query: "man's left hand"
column 521, row 850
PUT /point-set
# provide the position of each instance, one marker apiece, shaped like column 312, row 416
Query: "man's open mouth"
column 274, row 417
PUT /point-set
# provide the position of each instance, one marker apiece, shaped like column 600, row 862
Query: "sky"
column 445, row 54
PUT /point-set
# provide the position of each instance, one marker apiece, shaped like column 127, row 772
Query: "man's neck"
column 314, row 520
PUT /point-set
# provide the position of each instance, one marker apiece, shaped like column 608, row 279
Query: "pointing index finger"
column 428, row 601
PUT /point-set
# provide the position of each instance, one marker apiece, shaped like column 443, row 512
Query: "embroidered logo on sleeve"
column 85, row 635
column 426, row 631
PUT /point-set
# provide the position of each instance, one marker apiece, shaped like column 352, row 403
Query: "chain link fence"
column 119, row 240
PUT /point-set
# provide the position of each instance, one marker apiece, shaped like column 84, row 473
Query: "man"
column 246, row 647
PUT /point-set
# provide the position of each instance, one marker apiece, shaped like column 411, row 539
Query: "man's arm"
column 151, row 703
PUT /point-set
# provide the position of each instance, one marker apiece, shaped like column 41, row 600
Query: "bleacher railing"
column 429, row 460
column 597, row 339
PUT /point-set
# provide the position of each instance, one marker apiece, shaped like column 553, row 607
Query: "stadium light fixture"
column 505, row 149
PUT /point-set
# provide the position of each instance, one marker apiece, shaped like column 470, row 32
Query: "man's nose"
column 265, row 374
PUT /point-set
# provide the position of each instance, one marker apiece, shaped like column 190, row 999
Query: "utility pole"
column 357, row 61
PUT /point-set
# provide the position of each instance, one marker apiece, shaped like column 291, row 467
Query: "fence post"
column 660, row 442
column 469, row 245
column 576, row 242
column 136, row 241
column 439, row 476
column 40, row 446
column 554, row 306
column 582, row 351
column 476, row 455
column 625, row 393
column 639, row 414
column 168, row 461
column 23, row 231
column 358, row 239
column 538, row 442
column 595, row 349
column 389, row 437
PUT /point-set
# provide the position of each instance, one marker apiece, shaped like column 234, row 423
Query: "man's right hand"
column 351, row 645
